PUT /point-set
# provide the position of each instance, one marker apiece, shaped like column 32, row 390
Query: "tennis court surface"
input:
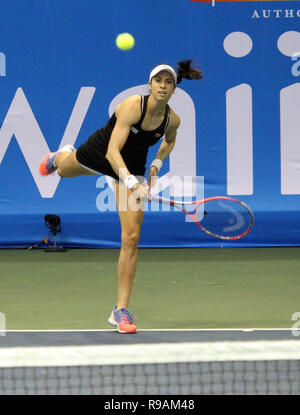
column 211, row 321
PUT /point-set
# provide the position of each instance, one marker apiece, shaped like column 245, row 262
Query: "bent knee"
column 60, row 172
column 66, row 172
column 68, row 166
column 130, row 239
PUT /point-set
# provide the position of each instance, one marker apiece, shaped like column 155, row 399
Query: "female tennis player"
column 119, row 150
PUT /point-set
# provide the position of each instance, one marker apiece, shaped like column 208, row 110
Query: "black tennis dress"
column 92, row 153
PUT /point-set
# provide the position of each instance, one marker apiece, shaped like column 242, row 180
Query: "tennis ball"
column 125, row 41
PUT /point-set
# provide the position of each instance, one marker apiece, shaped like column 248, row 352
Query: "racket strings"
column 226, row 218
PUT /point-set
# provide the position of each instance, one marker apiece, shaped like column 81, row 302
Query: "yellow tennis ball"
column 125, row 41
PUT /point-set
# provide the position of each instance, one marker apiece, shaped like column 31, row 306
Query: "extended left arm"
column 165, row 148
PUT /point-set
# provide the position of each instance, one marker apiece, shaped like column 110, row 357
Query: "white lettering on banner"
column 266, row 13
column 239, row 135
column 289, row 139
column 275, row 13
column 239, row 127
column 289, row 13
column 288, row 43
column 2, row 64
column 21, row 123
column 239, row 140
column 183, row 157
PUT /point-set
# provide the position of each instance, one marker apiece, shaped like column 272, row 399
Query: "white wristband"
column 157, row 163
column 130, row 181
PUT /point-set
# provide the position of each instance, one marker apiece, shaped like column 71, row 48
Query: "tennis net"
column 243, row 368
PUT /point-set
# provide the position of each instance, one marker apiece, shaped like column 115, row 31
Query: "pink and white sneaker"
column 123, row 319
column 47, row 164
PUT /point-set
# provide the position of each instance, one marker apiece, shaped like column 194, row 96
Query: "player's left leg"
column 64, row 161
column 131, row 218
column 68, row 166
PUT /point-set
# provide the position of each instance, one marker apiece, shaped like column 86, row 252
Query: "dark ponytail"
column 185, row 71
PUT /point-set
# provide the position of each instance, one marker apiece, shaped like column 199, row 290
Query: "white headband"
column 160, row 68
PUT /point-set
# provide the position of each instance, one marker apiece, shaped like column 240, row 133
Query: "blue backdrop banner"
column 61, row 77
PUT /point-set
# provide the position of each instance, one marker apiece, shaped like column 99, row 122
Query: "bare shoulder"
column 174, row 121
column 132, row 101
column 130, row 108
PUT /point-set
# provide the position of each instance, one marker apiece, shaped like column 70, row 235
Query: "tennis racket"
column 223, row 218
